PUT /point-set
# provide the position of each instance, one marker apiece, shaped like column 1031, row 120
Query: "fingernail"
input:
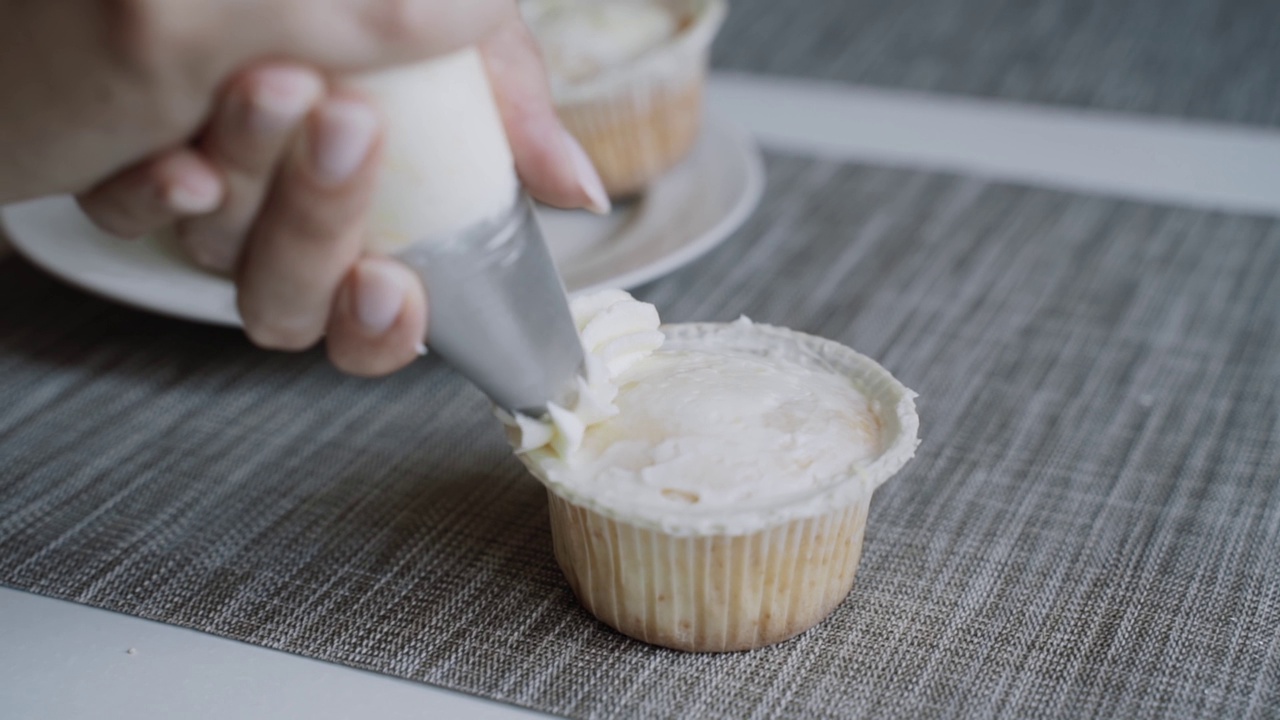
column 380, row 294
column 194, row 193
column 421, row 349
column 343, row 135
column 588, row 178
column 281, row 97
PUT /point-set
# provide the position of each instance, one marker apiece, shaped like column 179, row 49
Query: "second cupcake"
column 627, row 77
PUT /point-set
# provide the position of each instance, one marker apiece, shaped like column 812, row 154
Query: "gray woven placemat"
column 1208, row 59
column 1090, row 528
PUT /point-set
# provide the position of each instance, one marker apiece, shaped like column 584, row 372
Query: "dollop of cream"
column 741, row 418
column 720, row 428
column 617, row 332
column 580, row 39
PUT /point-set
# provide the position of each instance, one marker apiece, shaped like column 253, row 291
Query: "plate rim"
column 104, row 291
column 744, row 204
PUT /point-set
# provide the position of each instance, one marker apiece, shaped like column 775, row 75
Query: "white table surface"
column 59, row 660
column 62, row 660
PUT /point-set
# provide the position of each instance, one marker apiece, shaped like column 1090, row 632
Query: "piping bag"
column 449, row 206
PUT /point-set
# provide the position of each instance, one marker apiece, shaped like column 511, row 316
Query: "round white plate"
column 686, row 213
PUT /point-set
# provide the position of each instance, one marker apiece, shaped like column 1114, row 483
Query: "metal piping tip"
column 498, row 311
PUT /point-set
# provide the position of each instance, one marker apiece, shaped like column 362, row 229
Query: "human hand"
column 276, row 185
column 90, row 87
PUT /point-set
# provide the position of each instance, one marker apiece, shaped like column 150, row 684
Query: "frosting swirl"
column 617, row 331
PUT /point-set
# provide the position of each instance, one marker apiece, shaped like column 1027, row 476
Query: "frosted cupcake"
column 627, row 77
column 709, row 488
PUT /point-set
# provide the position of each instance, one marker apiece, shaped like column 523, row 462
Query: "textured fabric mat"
column 1208, row 59
column 1090, row 528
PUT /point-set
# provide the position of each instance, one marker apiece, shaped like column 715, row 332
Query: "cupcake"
column 627, row 77
column 709, row 487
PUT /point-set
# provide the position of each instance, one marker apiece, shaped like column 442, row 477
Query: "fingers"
column 378, row 320
column 553, row 166
column 153, row 194
column 250, row 130
column 302, row 277
column 310, row 231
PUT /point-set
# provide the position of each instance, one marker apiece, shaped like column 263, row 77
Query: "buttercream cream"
column 722, row 428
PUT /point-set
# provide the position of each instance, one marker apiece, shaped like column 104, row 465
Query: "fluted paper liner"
column 637, row 136
column 637, row 121
column 732, row 578
column 708, row 593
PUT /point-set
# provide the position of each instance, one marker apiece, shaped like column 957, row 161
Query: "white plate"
column 686, row 213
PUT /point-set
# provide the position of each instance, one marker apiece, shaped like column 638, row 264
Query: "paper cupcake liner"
column 636, row 136
column 714, row 593
column 636, row 122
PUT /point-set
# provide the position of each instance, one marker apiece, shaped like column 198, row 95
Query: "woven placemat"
column 1205, row 59
column 1089, row 529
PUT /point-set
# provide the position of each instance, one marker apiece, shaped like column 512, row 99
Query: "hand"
column 277, row 182
column 90, row 87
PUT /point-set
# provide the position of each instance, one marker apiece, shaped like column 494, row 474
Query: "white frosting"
column 581, row 39
column 446, row 161
column 720, row 429
column 617, row 331
column 723, row 428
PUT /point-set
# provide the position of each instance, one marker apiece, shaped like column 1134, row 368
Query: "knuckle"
column 259, row 111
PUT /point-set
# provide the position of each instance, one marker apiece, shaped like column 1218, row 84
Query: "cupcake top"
column 600, row 46
column 718, row 428
column 580, row 39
